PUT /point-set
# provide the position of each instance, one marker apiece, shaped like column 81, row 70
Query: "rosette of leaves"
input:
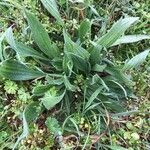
column 104, row 84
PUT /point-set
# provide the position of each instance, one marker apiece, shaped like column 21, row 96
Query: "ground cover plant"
column 68, row 81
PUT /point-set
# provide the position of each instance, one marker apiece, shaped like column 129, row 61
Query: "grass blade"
column 93, row 97
column 24, row 133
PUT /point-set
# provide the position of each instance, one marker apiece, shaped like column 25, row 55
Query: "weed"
column 75, row 77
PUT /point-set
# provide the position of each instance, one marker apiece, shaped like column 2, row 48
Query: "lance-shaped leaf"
column 10, row 39
column 15, row 70
column 20, row 48
column 41, row 37
column 85, row 27
column 130, row 39
column 50, row 100
column 51, row 6
column 116, row 31
column 74, row 48
column 95, row 53
column 136, row 60
column 80, row 63
column 26, row 51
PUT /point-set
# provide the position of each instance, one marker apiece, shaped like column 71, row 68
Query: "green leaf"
column 126, row 113
column 130, row 39
column 41, row 89
column 72, row 47
column 53, row 81
column 53, row 125
column 51, row 6
column 94, row 10
column 75, row 124
column 67, row 65
column 25, row 51
column 49, row 100
column 10, row 87
column 117, row 75
column 92, row 106
column 57, row 64
column 10, row 38
column 93, row 97
column 32, row 111
column 41, row 37
column 111, row 104
column 68, row 85
column 77, row 54
column 24, row 133
column 95, row 53
column 80, row 63
column 15, row 70
column 116, row 31
column 121, row 87
column 85, row 27
column 99, row 68
column 20, row 48
column 97, row 79
column 136, row 60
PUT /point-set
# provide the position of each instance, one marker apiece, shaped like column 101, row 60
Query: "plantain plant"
column 78, row 72
column 78, row 69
